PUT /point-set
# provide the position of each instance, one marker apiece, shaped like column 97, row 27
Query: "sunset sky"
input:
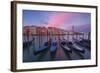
column 64, row 20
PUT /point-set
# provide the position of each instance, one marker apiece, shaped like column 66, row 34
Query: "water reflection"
column 51, row 50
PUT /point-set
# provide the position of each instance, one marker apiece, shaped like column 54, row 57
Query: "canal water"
column 38, row 41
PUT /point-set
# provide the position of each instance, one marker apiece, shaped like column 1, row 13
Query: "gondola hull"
column 43, row 48
column 53, row 49
column 82, row 43
column 27, row 44
column 66, row 48
column 73, row 47
column 78, row 48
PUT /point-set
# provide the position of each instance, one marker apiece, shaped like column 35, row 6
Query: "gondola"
column 78, row 48
column 65, row 47
column 82, row 43
column 26, row 44
column 53, row 48
column 43, row 48
column 86, row 42
column 75, row 47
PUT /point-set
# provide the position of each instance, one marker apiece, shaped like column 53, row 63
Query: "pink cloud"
column 58, row 19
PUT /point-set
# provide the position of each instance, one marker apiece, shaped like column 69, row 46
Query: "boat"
column 82, row 43
column 86, row 41
column 75, row 47
column 53, row 48
column 78, row 48
column 41, row 49
column 65, row 47
column 85, row 44
column 27, row 44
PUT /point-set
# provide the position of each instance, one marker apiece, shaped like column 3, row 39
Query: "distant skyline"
column 64, row 20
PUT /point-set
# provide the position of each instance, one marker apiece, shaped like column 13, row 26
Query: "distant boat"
column 41, row 49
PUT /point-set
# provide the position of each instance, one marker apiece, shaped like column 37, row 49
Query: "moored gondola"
column 65, row 47
column 82, row 43
column 27, row 44
column 53, row 48
column 43, row 48
column 75, row 47
column 78, row 48
column 86, row 42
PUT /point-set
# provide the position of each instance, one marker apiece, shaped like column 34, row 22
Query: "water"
column 60, row 54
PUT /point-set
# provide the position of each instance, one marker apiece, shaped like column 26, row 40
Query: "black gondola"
column 79, row 53
column 26, row 44
column 83, row 43
column 53, row 48
column 65, row 47
column 43, row 48
column 86, row 41
column 78, row 48
column 75, row 47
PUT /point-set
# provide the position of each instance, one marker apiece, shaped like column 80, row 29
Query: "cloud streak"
column 57, row 19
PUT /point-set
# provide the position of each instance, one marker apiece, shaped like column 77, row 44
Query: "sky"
column 63, row 20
